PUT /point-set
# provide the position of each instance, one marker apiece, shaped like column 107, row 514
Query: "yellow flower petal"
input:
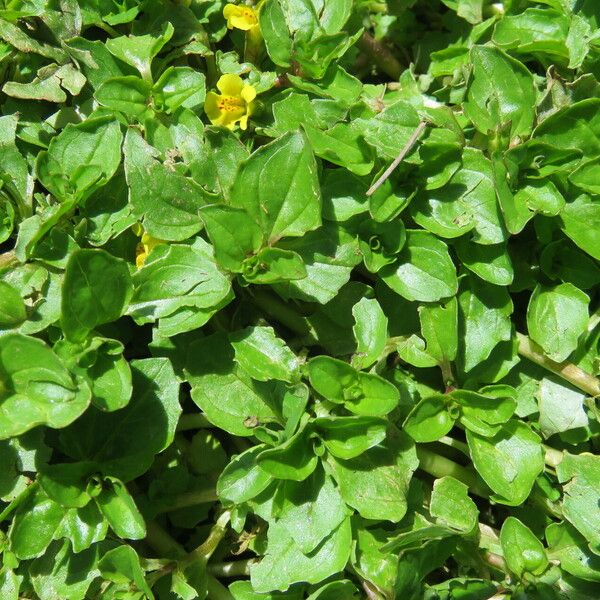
column 140, row 256
column 240, row 16
column 248, row 93
column 211, row 106
column 230, row 84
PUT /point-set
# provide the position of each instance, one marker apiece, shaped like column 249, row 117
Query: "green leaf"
column 243, row 478
column 129, row 95
column 481, row 413
column 34, row 525
column 561, row 407
column 294, row 459
column 138, row 51
column 83, row 526
column 179, row 86
column 541, row 197
column 429, row 420
column 361, row 393
column 450, row 504
column 124, row 442
column 469, row 202
column 284, row 563
column 556, row 317
column 424, row 270
column 573, row 127
column 278, row 186
column 389, row 130
column 523, row 552
column 371, row 562
column 485, row 319
column 81, row 158
column 224, row 391
column 36, row 388
column 491, row 262
column 276, row 34
column 119, row 509
column 60, row 573
column 540, row 31
column 508, row 462
column 122, row 565
column 311, row 510
column 86, row 299
column 273, row 265
column 234, row 235
column 342, row 145
column 501, row 93
column 168, row 202
column 580, row 479
column 329, row 255
column 439, row 326
column 580, row 220
column 12, row 307
column 376, row 482
column 66, row 483
column 370, row 331
column 562, row 261
column 175, row 277
column 263, row 355
column 349, row 437
column 571, row 549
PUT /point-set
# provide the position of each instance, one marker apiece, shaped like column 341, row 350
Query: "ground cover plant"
column 299, row 299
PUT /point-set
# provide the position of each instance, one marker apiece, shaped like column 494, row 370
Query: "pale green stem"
column 217, row 533
column 440, row 466
column 161, row 542
column 18, row 501
column 216, row 590
column 382, row 57
column 238, row 568
column 573, row 374
column 188, row 499
column 8, row 259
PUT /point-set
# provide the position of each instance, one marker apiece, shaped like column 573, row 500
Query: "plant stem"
column 407, row 148
column 18, row 501
column 573, row 374
column 193, row 421
column 8, row 259
column 216, row 590
column 495, row 560
column 452, row 443
column 381, row 56
column 206, row 549
column 553, row 457
column 280, row 311
column 188, row 499
column 238, row 568
column 440, row 466
column 160, row 541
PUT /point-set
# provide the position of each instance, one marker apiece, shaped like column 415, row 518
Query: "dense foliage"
column 242, row 359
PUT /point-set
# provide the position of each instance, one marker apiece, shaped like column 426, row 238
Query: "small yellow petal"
column 240, row 16
column 230, row 84
column 248, row 93
column 211, row 106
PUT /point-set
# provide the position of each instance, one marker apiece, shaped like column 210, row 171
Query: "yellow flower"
column 234, row 104
column 146, row 245
column 240, row 16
